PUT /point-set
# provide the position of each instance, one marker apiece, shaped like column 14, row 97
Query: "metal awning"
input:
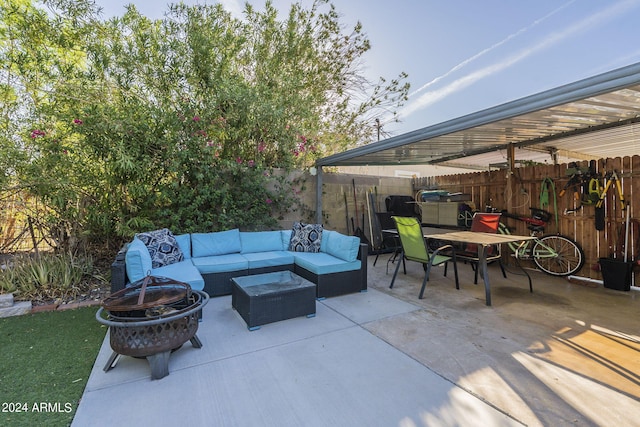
column 594, row 118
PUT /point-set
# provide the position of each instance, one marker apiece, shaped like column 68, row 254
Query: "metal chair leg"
column 396, row 271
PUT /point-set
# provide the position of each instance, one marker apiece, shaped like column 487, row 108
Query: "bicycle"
column 554, row 254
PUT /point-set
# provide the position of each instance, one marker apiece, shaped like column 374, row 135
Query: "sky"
column 463, row 56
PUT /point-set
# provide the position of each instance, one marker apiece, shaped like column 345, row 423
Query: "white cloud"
column 490, row 48
column 590, row 22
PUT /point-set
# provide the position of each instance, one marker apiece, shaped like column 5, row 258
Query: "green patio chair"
column 414, row 248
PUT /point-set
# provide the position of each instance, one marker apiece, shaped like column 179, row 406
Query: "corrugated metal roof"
column 593, row 118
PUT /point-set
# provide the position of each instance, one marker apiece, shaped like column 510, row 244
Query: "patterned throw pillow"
column 305, row 237
column 162, row 246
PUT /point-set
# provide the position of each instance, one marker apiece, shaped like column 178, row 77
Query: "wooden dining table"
column 483, row 241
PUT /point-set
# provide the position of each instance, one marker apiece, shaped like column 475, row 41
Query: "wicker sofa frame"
column 219, row 284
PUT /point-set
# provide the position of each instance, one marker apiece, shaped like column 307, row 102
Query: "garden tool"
column 593, row 191
column 612, row 177
column 548, row 186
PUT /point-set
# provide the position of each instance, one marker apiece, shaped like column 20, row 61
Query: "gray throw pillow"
column 162, row 246
column 305, row 237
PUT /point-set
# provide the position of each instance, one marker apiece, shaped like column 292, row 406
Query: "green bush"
column 46, row 276
column 130, row 124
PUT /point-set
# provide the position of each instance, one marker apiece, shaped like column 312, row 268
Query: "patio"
column 568, row 354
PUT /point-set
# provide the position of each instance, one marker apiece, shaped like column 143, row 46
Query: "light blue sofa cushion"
column 184, row 241
column 326, row 235
column 286, row 239
column 137, row 260
column 260, row 241
column 220, row 263
column 344, row 247
column 321, row 263
column 217, row 243
column 269, row 259
column 183, row 271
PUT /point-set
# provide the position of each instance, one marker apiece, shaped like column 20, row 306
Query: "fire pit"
column 151, row 319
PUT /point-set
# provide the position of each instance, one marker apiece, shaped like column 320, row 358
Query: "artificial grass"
column 45, row 362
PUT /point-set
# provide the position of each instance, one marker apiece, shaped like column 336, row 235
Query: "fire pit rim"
column 196, row 306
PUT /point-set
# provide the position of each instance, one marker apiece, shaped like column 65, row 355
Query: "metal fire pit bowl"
column 154, row 333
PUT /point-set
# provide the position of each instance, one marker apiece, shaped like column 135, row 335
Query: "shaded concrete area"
column 568, row 354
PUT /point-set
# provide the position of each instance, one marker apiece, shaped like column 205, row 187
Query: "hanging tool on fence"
column 612, row 177
column 548, row 187
column 585, row 184
column 574, row 183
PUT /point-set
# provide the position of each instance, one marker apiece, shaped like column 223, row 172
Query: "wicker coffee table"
column 271, row 297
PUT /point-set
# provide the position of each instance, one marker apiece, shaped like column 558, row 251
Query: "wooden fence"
column 518, row 191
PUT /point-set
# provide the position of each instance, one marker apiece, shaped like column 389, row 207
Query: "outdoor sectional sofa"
column 210, row 260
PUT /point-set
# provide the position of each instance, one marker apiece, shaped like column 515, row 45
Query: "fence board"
column 522, row 191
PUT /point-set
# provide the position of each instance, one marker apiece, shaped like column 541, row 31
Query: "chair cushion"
column 217, row 243
column 220, row 263
column 162, row 246
column 184, row 241
column 268, row 259
column 321, row 263
column 326, row 235
column 183, row 271
column 344, row 247
column 137, row 260
column 306, row 237
column 260, row 241
column 286, row 238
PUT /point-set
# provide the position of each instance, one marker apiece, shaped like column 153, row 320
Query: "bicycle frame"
column 554, row 254
column 521, row 250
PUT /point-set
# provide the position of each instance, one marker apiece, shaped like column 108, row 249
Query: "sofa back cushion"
column 340, row 246
column 137, row 260
column 286, row 238
column 326, row 235
column 217, row 243
column 260, row 241
column 184, row 241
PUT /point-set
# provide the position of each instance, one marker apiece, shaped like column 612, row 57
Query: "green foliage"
column 45, row 276
column 132, row 124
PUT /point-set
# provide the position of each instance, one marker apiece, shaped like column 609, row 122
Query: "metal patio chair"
column 414, row 248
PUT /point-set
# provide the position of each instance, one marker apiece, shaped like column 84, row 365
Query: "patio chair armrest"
column 445, row 248
column 449, row 251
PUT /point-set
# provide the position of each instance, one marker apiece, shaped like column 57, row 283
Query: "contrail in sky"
column 489, row 49
column 432, row 97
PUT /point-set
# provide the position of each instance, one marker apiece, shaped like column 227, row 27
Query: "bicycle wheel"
column 558, row 255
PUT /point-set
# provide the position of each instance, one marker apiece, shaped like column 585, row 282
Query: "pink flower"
column 77, row 121
column 261, row 146
column 268, row 201
column 251, row 163
column 196, row 118
column 238, row 160
column 36, row 133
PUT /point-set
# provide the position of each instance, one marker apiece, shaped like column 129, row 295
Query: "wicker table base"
column 271, row 297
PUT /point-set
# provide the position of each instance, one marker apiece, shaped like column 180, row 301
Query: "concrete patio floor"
column 567, row 354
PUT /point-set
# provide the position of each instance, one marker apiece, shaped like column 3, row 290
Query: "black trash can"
column 616, row 274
